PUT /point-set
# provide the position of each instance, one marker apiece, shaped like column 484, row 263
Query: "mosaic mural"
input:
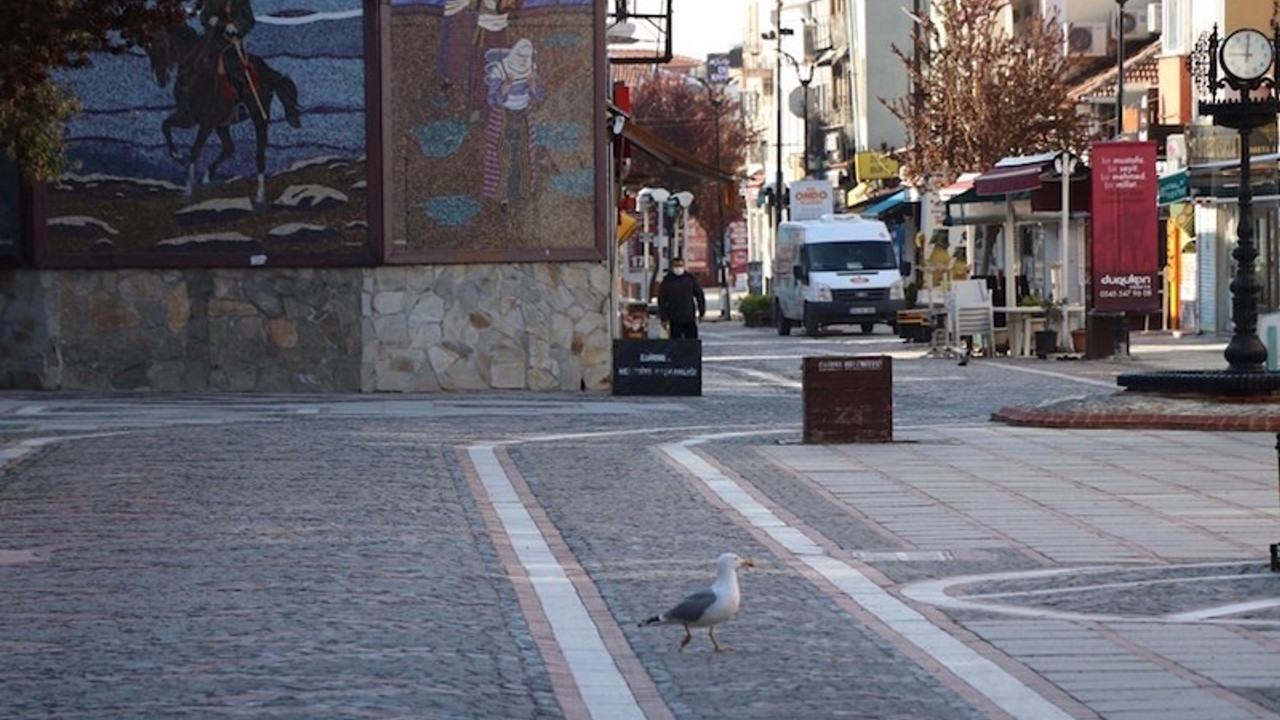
column 494, row 107
column 240, row 134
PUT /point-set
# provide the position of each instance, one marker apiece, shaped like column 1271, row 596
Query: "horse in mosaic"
column 211, row 104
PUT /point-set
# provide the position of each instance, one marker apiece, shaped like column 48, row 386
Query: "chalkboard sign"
column 848, row 399
column 10, row 210
column 657, row 367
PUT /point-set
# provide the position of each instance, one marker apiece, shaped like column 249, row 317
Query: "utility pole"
column 777, row 89
column 1120, row 68
column 720, row 255
column 715, row 97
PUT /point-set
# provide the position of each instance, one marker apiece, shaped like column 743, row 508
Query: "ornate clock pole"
column 1243, row 97
column 1247, row 58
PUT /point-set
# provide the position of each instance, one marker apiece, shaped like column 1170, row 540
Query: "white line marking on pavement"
column 989, row 679
column 602, row 687
column 940, row 593
column 1062, row 376
column 1225, row 610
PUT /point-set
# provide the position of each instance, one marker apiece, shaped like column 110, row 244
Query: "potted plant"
column 1047, row 339
column 756, row 309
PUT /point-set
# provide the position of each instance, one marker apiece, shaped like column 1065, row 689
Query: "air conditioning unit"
column 1155, row 14
column 1087, row 39
column 1132, row 22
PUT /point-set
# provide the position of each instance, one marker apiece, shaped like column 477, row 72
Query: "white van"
column 836, row 270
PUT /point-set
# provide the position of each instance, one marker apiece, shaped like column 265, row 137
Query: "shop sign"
column 1125, row 275
column 871, row 165
column 811, row 199
column 738, row 247
column 1173, row 188
column 1210, row 143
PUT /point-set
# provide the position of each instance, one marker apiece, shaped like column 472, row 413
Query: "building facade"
column 401, row 195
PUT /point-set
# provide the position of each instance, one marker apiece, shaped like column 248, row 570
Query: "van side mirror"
column 904, row 269
column 800, row 274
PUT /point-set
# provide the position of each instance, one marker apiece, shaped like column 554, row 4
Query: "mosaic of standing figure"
column 494, row 104
column 238, row 134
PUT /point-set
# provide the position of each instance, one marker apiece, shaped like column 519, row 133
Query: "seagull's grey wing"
column 691, row 608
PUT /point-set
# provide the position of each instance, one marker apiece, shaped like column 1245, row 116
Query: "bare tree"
column 680, row 111
column 982, row 93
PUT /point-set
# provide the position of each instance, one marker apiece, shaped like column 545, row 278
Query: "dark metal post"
column 806, row 122
column 777, row 88
column 1120, row 68
column 720, row 255
column 1275, row 547
column 1245, row 352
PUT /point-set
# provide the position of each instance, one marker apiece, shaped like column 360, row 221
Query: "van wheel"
column 867, row 328
column 810, row 322
column 784, row 323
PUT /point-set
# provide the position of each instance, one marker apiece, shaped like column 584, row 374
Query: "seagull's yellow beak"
column 747, row 563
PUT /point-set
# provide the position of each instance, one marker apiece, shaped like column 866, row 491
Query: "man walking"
column 681, row 302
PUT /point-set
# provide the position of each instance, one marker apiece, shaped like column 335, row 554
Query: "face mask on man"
column 677, row 270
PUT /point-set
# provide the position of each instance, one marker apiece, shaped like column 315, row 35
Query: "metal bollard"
column 1275, row 547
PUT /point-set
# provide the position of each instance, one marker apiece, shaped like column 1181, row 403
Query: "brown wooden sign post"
column 848, row 399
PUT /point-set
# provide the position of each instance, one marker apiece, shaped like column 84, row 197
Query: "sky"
column 699, row 27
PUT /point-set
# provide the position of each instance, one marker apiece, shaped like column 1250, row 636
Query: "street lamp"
column 777, row 34
column 1120, row 68
column 715, row 96
column 805, row 80
column 658, row 197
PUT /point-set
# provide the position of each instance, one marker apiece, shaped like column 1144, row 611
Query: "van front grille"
column 857, row 295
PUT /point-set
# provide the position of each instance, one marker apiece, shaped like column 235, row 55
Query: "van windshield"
column 851, row 256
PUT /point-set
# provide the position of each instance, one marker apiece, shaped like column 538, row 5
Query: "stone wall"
column 473, row 327
column 385, row 329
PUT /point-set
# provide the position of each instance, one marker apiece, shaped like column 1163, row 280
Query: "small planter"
column 757, row 310
column 1046, row 343
column 1079, row 341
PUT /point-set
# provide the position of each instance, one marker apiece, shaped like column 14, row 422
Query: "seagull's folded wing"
column 692, row 608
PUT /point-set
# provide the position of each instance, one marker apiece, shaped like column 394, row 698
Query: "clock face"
column 1246, row 54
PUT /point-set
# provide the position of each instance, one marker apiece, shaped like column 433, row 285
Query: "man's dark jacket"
column 680, row 299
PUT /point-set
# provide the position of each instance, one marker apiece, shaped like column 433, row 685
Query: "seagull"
column 709, row 607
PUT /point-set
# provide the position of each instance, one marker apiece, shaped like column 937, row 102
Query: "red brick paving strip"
column 1030, row 417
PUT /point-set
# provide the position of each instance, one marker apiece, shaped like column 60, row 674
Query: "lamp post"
column 678, row 201
column 777, row 34
column 658, row 196
column 805, row 80
column 1120, row 68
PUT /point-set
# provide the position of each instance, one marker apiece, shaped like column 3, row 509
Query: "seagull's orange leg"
column 687, row 637
column 711, row 633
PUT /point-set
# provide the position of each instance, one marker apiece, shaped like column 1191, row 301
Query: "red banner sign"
column 1125, row 269
column 738, row 247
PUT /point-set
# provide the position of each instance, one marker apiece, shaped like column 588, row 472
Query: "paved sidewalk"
column 490, row 556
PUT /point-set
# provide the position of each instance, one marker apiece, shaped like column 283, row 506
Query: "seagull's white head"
column 730, row 561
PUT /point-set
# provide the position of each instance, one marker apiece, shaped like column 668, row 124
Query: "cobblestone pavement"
column 489, row 556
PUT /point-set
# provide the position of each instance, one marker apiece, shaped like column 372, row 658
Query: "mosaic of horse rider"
column 227, row 23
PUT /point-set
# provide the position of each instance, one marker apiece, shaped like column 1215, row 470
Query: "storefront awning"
column 1013, row 175
column 885, row 205
column 668, row 154
column 1007, row 181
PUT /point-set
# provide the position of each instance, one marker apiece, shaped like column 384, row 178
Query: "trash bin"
column 1107, row 335
column 848, row 399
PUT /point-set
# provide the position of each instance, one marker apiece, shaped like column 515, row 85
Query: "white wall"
column 879, row 25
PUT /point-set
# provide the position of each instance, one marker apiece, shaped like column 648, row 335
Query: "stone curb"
column 1029, row 417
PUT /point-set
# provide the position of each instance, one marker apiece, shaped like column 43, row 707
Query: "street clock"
column 1247, row 54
